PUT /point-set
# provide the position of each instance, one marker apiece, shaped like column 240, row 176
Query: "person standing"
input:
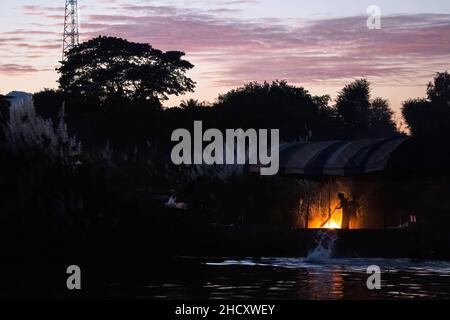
column 346, row 213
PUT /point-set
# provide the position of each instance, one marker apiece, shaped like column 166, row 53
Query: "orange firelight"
column 317, row 220
column 332, row 225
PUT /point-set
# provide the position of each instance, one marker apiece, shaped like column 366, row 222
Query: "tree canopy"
column 438, row 90
column 191, row 104
column 277, row 105
column 361, row 116
column 112, row 70
column 430, row 115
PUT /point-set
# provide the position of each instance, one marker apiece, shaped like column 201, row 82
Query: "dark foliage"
column 361, row 117
column 430, row 115
column 48, row 103
column 108, row 70
column 278, row 105
column 381, row 123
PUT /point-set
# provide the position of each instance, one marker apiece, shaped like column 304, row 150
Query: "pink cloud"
column 406, row 50
column 324, row 50
column 40, row 10
column 12, row 69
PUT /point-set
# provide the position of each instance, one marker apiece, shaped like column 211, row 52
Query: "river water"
column 319, row 276
column 302, row 279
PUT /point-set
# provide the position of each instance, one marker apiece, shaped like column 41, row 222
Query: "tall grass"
column 26, row 131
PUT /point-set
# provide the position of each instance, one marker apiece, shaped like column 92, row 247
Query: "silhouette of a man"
column 346, row 214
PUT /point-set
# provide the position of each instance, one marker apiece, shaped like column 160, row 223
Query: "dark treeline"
column 276, row 105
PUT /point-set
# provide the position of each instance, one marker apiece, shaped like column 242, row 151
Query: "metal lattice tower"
column 71, row 36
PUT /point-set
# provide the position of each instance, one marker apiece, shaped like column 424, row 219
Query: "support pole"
column 307, row 208
column 329, row 197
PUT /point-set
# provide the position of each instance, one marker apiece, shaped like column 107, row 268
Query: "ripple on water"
column 298, row 278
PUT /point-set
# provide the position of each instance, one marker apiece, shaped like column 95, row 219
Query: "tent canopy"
column 336, row 158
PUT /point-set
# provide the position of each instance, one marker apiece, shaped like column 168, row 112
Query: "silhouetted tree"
column 190, row 104
column 330, row 122
column 108, row 70
column 430, row 115
column 417, row 115
column 48, row 103
column 361, row 117
column 381, row 118
column 276, row 105
column 353, row 105
column 438, row 91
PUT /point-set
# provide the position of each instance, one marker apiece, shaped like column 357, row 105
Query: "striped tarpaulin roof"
column 336, row 158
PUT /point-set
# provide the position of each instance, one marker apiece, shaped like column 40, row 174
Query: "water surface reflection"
column 298, row 279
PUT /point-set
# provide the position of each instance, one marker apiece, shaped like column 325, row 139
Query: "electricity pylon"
column 71, row 36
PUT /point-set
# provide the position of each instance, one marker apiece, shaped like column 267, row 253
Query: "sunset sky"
column 321, row 45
